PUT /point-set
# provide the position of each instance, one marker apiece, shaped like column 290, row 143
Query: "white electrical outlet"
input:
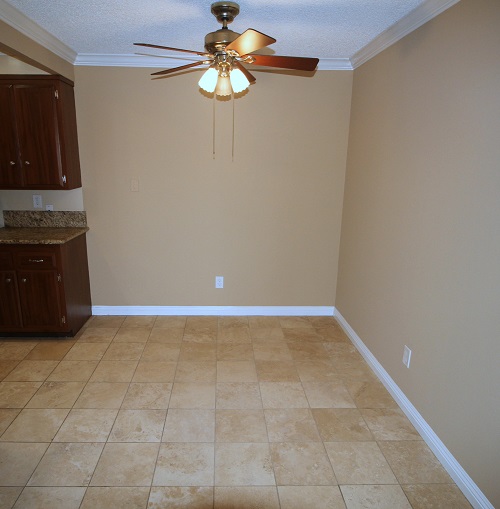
column 219, row 281
column 37, row 201
column 50, row 208
column 406, row 356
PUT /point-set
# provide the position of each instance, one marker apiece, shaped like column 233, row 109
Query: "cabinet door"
column 37, row 129
column 10, row 316
column 40, row 300
column 10, row 167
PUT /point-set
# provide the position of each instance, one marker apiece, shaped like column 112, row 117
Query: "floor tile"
column 370, row 394
column 160, row 352
column 6, row 367
column 86, row 352
column 389, row 424
column 56, row 395
column 359, row 463
column 301, row 351
column 435, row 496
column 67, row 464
column 198, row 352
column 31, row 371
column 375, row 497
column 201, row 336
column 291, row 322
column 114, row 371
column 232, row 322
column 267, row 334
column 18, row 461
column 414, row 463
column 302, row 335
column 126, row 464
column 87, row 425
column 246, row 464
column 148, row 395
column 8, row 496
column 283, row 395
column 7, row 415
column 54, row 497
column 189, row 425
column 98, row 335
column 317, row 497
column 185, row 464
column 16, row 350
column 196, row 371
column 237, row 352
column 276, row 351
column 138, row 426
column 248, row 497
column 236, row 371
column 102, row 395
column 124, row 352
column 264, row 322
column 317, row 371
column 35, row 425
column 168, row 335
column 277, row 371
column 234, row 335
column 301, row 463
column 238, row 395
column 328, row 395
column 341, row 425
column 107, row 321
column 180, row 497
column 291, row 425
column 240, row 426
column 17, row 394
column 50, row 351
column 175, row 322
column 202, row 323
column 72, row 371
column 139, row 321
column 132, row 335
column 192, row 395
column 155, row 372
column 113, row 497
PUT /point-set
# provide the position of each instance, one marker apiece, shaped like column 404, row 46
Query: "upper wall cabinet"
column 38, row 137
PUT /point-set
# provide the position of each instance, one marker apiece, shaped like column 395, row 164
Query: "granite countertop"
column 37, row 227
column 40, row 235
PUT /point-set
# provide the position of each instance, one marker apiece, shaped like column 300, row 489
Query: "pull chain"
column 232, row 147
column 213, row 129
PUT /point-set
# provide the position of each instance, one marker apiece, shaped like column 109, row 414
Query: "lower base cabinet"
column 44, row 289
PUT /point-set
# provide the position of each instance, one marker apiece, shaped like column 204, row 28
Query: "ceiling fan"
column 227, row 51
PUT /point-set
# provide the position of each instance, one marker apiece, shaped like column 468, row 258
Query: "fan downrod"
column 225, row 12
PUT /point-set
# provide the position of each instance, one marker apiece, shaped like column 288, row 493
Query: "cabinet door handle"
column 8, row 280
column 27, row 163
column 24, row 280
column 33, row 260
column 12, row 163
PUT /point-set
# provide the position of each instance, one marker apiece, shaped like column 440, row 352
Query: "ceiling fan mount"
column 227, row 51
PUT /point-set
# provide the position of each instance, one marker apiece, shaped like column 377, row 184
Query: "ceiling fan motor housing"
column 225, row 12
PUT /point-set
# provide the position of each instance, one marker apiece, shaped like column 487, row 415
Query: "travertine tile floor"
column 203, row 412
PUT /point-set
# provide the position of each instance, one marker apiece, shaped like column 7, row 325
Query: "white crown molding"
column 215, row 310
column 415, row 19
column 24, row 25
column 469, row 488
column 170, row 61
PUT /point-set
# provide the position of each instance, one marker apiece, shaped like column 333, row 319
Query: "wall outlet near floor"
column 219, row 281
column 37, row 201
column 406, row 356
column 50, row 208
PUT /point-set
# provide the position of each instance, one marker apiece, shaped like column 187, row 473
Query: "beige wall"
column 269, row 221
column 420, row 244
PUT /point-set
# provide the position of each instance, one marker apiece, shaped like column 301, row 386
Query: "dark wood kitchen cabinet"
column 38, row 135
column 44, row 289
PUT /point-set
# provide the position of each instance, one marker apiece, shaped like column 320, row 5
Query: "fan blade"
column 250, row 77
column 175, row 69
column 173, row 49
column 297, row 63
column 250, row 40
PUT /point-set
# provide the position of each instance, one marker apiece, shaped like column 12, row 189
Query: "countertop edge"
column 40, row 235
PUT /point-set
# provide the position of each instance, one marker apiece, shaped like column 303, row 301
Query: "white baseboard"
column 469, row 488
column 215, row 310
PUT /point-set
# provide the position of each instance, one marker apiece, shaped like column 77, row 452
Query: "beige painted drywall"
column 268, row 221
column 420, row 244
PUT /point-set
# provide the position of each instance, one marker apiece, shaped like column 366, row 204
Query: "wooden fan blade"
column 250, row 77
column 250, row 40
column 175, row 69
column 297, row 63
column 167, row 47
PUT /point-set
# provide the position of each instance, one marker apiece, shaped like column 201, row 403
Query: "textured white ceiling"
column 327, row 29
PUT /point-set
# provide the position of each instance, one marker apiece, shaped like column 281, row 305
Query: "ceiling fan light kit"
column 227, row 51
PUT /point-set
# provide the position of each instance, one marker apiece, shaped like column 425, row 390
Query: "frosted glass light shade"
column 239, row 81
column 223, row 86
column 208, row 81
